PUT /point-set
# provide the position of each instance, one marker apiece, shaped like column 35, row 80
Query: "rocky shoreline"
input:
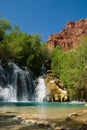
column 25, row 121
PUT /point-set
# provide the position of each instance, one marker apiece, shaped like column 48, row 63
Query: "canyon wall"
column 69, row 36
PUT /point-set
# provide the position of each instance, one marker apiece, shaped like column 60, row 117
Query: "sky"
column 42, row 17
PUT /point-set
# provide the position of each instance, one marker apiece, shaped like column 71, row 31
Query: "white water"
column 7, row 93
column 16, row 84
column 40, row 90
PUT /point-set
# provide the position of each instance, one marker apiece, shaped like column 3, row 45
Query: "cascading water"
column 40, row 90
column 15, row 84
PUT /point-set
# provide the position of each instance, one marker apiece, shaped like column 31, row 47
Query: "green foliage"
column 71, row 68
column 57, row 58
column 28, row 50
column 25, row 49
column 45, row 53
column 4, row 24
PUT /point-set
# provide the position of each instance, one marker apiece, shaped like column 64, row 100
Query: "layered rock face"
column 54, row 90
column 69, row 36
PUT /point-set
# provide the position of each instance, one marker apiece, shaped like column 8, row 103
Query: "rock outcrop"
column 69, row 36
column 55, row 92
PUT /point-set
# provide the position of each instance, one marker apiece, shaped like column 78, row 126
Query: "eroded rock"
column 69, row 36
column 54, row 91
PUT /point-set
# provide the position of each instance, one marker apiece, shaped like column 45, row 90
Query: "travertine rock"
column 54, row 92
column 69, row 36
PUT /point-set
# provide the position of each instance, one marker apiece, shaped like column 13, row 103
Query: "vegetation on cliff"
column 71, row 69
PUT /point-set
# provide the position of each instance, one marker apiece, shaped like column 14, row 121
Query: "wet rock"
column 46, row 126
column 64, row 128
column 86, row 105
column 3, row 117
column 84, row 126
column 70, row 116
column 54, row 91
column 57, row 128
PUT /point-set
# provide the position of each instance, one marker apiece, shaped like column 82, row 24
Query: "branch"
column 70, row 116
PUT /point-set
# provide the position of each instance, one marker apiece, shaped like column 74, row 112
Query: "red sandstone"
column 69, row 36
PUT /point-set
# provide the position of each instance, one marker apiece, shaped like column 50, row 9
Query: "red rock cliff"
column 69, row 36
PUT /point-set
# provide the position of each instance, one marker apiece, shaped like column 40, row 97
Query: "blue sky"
column 42, row 16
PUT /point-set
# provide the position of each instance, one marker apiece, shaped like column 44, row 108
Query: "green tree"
column 25, row 49
column 5, row 25
column 57, row 57
column 71, row 68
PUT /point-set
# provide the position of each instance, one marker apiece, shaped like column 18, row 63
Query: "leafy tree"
column 5, row 24
column 25, row 49
column 71, row 68
column 5, row 27
column 57, row 57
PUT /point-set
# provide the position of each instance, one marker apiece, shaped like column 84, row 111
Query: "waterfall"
column 40, row 90
column 16, row 83
column 2, row 76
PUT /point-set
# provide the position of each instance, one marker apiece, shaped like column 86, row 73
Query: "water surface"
column 52, row 113
column 51, row 110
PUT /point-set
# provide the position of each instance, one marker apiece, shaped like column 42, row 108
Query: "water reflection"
column 45, row 110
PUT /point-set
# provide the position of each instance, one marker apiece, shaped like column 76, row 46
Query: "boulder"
column 54, row 92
